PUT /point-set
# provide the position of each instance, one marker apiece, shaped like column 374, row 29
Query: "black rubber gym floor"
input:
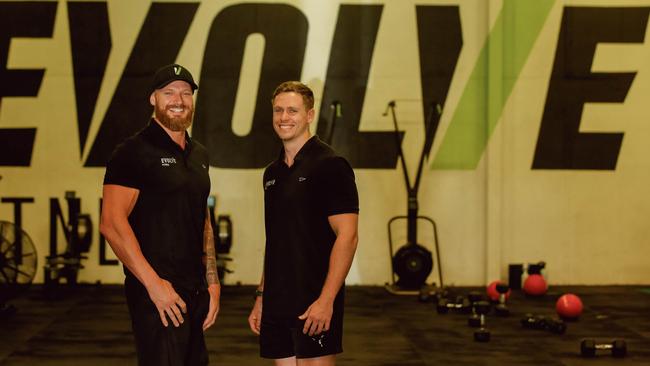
column 90, row 326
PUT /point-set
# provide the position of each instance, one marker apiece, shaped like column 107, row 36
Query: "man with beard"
column 155, row 217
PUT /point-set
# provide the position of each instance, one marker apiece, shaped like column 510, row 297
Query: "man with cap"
column 155, row 217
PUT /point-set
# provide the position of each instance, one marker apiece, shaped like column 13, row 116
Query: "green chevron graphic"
column 491, row 82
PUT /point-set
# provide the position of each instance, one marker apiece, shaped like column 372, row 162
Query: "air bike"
column 412, row 263
column 18, row 261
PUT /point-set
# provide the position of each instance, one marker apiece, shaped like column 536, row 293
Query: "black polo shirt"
column 169, row 214
column 298, row 201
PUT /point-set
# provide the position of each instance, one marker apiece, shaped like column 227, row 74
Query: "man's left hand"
column 215, row 293
column 317, row 317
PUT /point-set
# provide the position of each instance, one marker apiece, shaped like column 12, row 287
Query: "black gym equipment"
column 18, row 263
column 426, row 294
column 515, row 271
column 335, row 113
column 474, row 297
column 502, row 309
column 482, row 309
column 540, row 322
column 536, row 268
column 617, row 347
column 431, row 294
column 222, row 229
column 78, row 234
column 412, row 263
column 459, row 304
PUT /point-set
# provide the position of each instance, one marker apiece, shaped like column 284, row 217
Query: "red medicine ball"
column 492, row 292
column 569, row 306
column 535, row 285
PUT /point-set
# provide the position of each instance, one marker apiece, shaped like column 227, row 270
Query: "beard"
column 174, row 123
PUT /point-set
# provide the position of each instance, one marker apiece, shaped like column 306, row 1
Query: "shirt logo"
column 269, row 183
column 167, row 161
column 301, row 179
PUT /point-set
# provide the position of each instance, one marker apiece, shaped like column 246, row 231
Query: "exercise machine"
column 412, row 263
column 78, row 234
column 18, row 263
column 335, row 113
column 222, row 229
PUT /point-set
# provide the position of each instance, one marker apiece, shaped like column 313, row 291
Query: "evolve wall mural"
column 539, row 109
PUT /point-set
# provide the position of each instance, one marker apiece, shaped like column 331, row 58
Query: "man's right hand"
column 167, row 301
column 255, row 319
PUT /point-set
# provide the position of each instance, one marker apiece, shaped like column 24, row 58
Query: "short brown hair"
column 296, row 87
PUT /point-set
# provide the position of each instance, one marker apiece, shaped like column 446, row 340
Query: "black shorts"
column 168, row 346
column 284, row 338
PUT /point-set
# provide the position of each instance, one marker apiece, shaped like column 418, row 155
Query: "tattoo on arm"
column 210, row 253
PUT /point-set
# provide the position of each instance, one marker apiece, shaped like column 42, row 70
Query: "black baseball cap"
column 172, row 72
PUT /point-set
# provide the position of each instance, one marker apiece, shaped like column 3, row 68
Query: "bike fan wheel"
column 413, row 264
column 18, row 261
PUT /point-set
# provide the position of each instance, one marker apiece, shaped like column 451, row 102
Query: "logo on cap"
column 169, row 73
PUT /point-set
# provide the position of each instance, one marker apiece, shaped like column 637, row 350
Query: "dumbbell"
column 426, row 294
column 588, row 347
column 474, row 321
column 461, row 304
column 540, row 322
column 482, row 334
column 429, row 294
column 502, row 309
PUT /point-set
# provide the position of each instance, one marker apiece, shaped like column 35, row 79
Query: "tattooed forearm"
column 210, row 253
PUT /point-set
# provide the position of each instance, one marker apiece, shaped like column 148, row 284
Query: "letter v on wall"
column 491, row 82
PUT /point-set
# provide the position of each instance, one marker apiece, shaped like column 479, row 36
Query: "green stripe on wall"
column 491, row 82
